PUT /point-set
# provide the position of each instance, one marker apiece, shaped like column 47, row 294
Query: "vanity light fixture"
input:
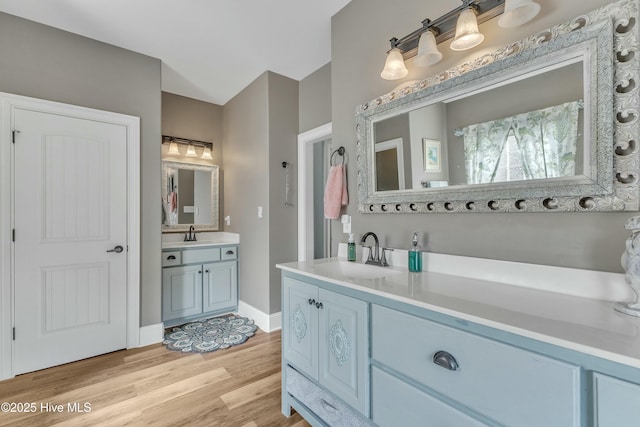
column 461, row 24
column 191, row 144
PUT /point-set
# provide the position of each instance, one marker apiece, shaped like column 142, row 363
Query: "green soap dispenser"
column 415, row 255
column 351, row 248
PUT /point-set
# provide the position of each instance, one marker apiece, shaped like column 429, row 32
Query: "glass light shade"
column 517, row 12
column 173, row 148
column 191, row 151
column 467, row 33
column 428, row 53
column 206, row 154
column 394, row 67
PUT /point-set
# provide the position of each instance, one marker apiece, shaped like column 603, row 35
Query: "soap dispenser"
column 415, row 255
column 351, row 248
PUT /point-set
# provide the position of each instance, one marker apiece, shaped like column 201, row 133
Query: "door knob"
column 117, row 249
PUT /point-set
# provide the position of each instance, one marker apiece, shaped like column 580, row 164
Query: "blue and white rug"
column 208, row 335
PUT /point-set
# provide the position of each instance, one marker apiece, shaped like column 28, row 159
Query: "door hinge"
column 13, row 235
column 14, row 333
column 13, row 135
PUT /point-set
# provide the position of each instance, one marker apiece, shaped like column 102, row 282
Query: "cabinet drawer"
column 394, row 400
column 200, row 255
column 331, row 410
column 507, row 384
column 616, row 402
column 171, row 258
column 229, row 253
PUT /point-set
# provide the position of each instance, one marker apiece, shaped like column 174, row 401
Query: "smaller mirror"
column 189, row 196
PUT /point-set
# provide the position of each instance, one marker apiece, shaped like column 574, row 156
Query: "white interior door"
column 70, row 209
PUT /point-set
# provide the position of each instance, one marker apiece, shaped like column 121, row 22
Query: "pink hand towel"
column 173, row 201
column 335, row 192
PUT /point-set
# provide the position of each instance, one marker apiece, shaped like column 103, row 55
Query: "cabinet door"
column 300, row 326
column 181, row 292
column 220, row 286
column 343, row 348
column 616, row 402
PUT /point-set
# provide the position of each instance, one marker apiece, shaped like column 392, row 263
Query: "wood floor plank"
column 251, row 392
column 235, row 387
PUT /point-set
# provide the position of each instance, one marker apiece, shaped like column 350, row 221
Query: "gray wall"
column 190, row 118
column 360, row 34
column 43, row 62
column 283, row 220
column 315, row 99
column 260, row 128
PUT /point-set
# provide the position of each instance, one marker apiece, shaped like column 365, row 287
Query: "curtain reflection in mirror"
column 534, row 145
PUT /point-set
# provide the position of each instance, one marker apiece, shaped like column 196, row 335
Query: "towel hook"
column 340, row 152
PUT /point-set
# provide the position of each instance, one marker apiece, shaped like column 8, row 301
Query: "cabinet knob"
column 311, row 301
column 445, row 360
column 171, row 257
column 318, row 305
column 199, row 271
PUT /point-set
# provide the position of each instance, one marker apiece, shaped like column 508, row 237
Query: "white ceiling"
column 210, row 49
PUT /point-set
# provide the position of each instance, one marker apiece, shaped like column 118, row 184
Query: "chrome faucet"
column 374, row 253
column 190, row 237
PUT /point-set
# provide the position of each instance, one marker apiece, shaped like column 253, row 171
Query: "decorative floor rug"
column 208, row 335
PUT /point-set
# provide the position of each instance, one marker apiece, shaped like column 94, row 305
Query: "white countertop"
column 587, row 325
column 176, row 240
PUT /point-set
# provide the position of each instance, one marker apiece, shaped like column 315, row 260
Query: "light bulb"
column 394, row 67
column 428, row 53
column 173, row 148
column 206, row 154
column 191, row 151
column 518, row 12
column 467, row 33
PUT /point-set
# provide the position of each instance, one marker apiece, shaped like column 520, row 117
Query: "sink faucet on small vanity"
column 375, row 257
column 191, row 236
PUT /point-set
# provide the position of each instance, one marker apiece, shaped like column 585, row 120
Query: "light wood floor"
column 239, row 386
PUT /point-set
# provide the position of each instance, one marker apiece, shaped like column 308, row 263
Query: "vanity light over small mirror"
column 461, row 24
column 190, row 186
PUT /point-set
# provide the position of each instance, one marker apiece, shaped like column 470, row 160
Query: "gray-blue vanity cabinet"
column 198, row 282
column 326, row 338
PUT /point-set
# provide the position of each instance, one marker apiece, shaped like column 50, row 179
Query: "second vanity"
column 470, row 342
column 199, row 278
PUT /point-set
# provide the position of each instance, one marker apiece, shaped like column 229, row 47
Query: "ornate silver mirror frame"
column 177, row 228
column 611, row 37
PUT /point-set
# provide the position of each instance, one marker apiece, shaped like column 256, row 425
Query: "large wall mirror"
column 189, row 197
column 546, row 124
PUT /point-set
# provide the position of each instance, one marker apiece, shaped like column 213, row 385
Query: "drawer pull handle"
column 328, row 406
column 446, row 360
column 312, row 301
column 229, row 252
column 318, row 305
column 171, row 257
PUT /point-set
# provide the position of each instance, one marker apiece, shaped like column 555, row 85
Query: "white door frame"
column 305, row 187
column 394, row 144
column 9, row 102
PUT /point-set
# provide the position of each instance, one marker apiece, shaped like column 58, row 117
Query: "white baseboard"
column 264, row 321
column 151, row 334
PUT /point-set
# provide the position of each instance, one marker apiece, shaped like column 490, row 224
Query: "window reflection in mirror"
column 528, row 129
